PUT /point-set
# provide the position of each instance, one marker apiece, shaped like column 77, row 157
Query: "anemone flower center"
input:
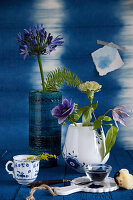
column 64, row 110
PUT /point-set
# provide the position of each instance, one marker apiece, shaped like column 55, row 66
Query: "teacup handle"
column 12, row 165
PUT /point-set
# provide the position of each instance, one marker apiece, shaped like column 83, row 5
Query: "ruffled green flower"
column 90, row 86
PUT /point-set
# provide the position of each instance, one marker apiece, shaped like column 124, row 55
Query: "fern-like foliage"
column 60, row 77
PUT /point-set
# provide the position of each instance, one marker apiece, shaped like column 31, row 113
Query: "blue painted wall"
column 81, row 23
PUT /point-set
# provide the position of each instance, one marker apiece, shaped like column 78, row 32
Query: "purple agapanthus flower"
column 62, row 111
column 119, row 113
column 36, row 41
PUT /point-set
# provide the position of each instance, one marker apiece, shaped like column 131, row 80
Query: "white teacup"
column 24, row 171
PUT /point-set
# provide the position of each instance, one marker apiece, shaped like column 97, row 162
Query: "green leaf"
column 101, row 117
column 87, row 116
column 97, row 124
column 79, row 112
column 60, row 77
column 107, row 118
column 76, row 117
column 110, row 138
column 94, row 106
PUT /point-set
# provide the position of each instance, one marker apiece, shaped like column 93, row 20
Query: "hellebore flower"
column 90, row 85
column 36, row 41
column 119, row 113
column 62, row 111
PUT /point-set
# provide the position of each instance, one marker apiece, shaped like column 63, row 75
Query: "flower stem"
column 107, row 111
column 75, row 123
column 41, row 71
column 94, row 115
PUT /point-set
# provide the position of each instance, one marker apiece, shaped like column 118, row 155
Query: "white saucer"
column 108, row 185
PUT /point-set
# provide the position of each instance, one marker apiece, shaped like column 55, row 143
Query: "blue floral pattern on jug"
column 99, row 135
column 72, row 161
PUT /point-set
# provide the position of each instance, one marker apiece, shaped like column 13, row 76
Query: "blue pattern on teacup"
column 21, row 175
column 30, row 173
column 23, row 164
column 26, row 170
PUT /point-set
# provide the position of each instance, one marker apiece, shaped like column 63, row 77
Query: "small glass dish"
column 98, row 172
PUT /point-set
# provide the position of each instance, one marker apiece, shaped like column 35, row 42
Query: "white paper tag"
column 106, row 59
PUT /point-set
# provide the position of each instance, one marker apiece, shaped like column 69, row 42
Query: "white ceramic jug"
column 84, row 146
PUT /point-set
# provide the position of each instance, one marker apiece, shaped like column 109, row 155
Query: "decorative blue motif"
column 73, row 162
column 34, row 165
column 23, row 164
column 22, row 175
column 27, row 165
column 36, row 172
column 99, row 135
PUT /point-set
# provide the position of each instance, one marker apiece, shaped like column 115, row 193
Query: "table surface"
column 11, row 190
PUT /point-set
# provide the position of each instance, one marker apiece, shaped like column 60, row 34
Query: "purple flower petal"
column 122, row 121
column 124, row 115
column 122, row 108
column 69, row 111
column 62, row 111
column 38, row 41
column 115, row 116
column 119, row 113
column 66, row 103
column 116, row 125
column 61, row 107
column 56, row 112
column 62, row 119
column 26, row 31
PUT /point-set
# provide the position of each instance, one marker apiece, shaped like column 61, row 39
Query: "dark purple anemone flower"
column 62, row 111
column 119, row 113
column 36, row 41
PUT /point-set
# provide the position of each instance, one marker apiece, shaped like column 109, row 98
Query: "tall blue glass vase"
column 44, row 130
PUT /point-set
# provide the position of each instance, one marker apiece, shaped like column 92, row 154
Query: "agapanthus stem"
column 41, row 71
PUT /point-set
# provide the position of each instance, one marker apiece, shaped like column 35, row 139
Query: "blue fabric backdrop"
column 81, row 23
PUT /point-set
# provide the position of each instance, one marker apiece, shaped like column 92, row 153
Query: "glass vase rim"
column 39, row 92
